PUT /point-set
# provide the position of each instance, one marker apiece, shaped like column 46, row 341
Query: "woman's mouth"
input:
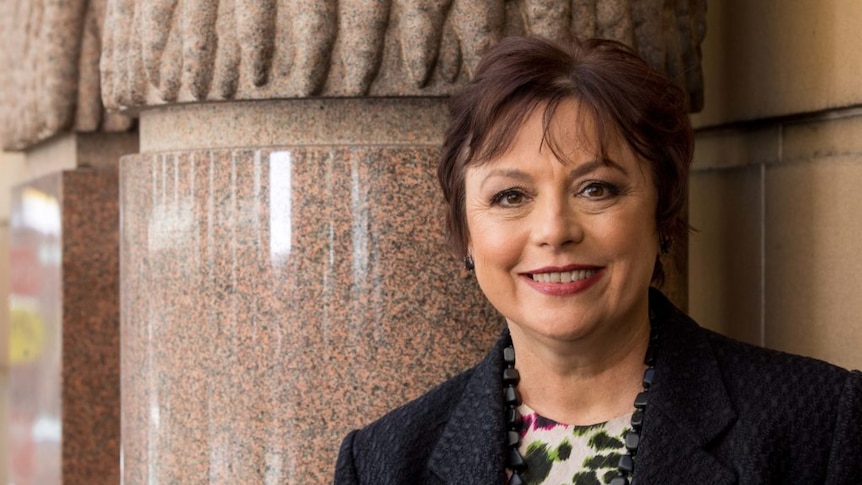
column 563, row 277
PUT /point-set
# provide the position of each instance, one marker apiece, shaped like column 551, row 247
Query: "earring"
column 468, row 263
column 664, row 244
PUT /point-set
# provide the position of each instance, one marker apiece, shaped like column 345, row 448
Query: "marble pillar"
column 285, row 276
column 64, row 335
column 62, row 387
column 276, row 296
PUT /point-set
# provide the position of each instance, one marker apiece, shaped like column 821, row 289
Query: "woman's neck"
column 588, row 381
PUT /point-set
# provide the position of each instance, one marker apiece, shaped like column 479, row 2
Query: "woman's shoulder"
column 740, row 360
column 754, row 375
column 763, row 366
column 778, row 391
column 421, row 415
column 395, row 447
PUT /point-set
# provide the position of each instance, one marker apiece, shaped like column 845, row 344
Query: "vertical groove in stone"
column 549, row 18
column 691, row 19
column 255, row 26
column 362, row 25
column 423, row 20
column 650, row 21
column 614, row 21
column 478, row 26
column 227, row 55
column 200, row 43
column 154, row 37
column 170, row 66
column 584, row 18
column 314, row 29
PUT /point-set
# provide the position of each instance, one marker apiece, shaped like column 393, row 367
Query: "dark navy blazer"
column 720, row 412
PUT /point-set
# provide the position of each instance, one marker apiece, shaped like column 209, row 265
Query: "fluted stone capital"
column 50, row 81
column 171, row 51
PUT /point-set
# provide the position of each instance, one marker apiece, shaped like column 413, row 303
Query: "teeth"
column 565, row 277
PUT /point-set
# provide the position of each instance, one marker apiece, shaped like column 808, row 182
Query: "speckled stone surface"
column 50, row 82
column 91, row 327
column 274, row 299
column 162, row 51
column 64, row 384
column 344, row 121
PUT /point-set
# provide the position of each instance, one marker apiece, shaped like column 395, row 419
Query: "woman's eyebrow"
column 593, row 165
column 579, row 171
column 510, row 173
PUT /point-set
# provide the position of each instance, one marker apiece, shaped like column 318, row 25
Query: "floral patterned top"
column 559, row 453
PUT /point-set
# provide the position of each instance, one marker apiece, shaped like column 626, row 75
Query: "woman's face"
column 563, row 249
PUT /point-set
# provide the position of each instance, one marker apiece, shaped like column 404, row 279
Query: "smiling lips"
column 564, row 276
column 563, row 283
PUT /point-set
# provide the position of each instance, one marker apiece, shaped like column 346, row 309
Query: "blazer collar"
column 470, row 450
column 689, row 406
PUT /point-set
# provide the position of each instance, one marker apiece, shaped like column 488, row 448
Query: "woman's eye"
column 508, row 198
column 597, row 190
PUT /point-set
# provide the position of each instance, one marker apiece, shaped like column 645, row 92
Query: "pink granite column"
column 275, row 297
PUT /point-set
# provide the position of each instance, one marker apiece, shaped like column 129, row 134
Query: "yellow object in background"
column 26, row 336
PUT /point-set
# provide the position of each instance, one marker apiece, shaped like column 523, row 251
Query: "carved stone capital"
column 171, row 51
column 50, row 81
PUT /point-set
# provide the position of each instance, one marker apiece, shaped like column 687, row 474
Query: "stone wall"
column 774, row 194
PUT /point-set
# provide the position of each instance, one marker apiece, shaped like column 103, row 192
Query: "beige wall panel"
column 11, row 171
column 11, row 167
column 4, row 346
column 813, row 268
column 725, row 277
column 770, row 58
column 822, row 140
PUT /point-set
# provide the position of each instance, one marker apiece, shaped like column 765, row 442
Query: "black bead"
column 515, row 479
column 637, row 420
column 633, row 439
column 511, row 396
column 649, row 375
column 516, row 461
column 649, row 359
column 511, row 377
column 514, row 421
column 627, row 465
column 514, row 418
column 641, row 399
column 509, row 356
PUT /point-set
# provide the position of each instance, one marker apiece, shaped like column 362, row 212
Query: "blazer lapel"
column 688, row 408
column 470, row 450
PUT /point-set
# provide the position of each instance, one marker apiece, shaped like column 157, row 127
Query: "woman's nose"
column 556, row 223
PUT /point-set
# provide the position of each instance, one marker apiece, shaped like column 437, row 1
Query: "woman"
column 565, row 174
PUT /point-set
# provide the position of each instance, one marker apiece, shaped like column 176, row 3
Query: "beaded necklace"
column 512, row 399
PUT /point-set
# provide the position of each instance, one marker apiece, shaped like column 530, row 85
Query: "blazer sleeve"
column 345, row 467
column 845, row 459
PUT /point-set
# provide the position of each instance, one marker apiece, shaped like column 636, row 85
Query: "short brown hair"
column 619, row 89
